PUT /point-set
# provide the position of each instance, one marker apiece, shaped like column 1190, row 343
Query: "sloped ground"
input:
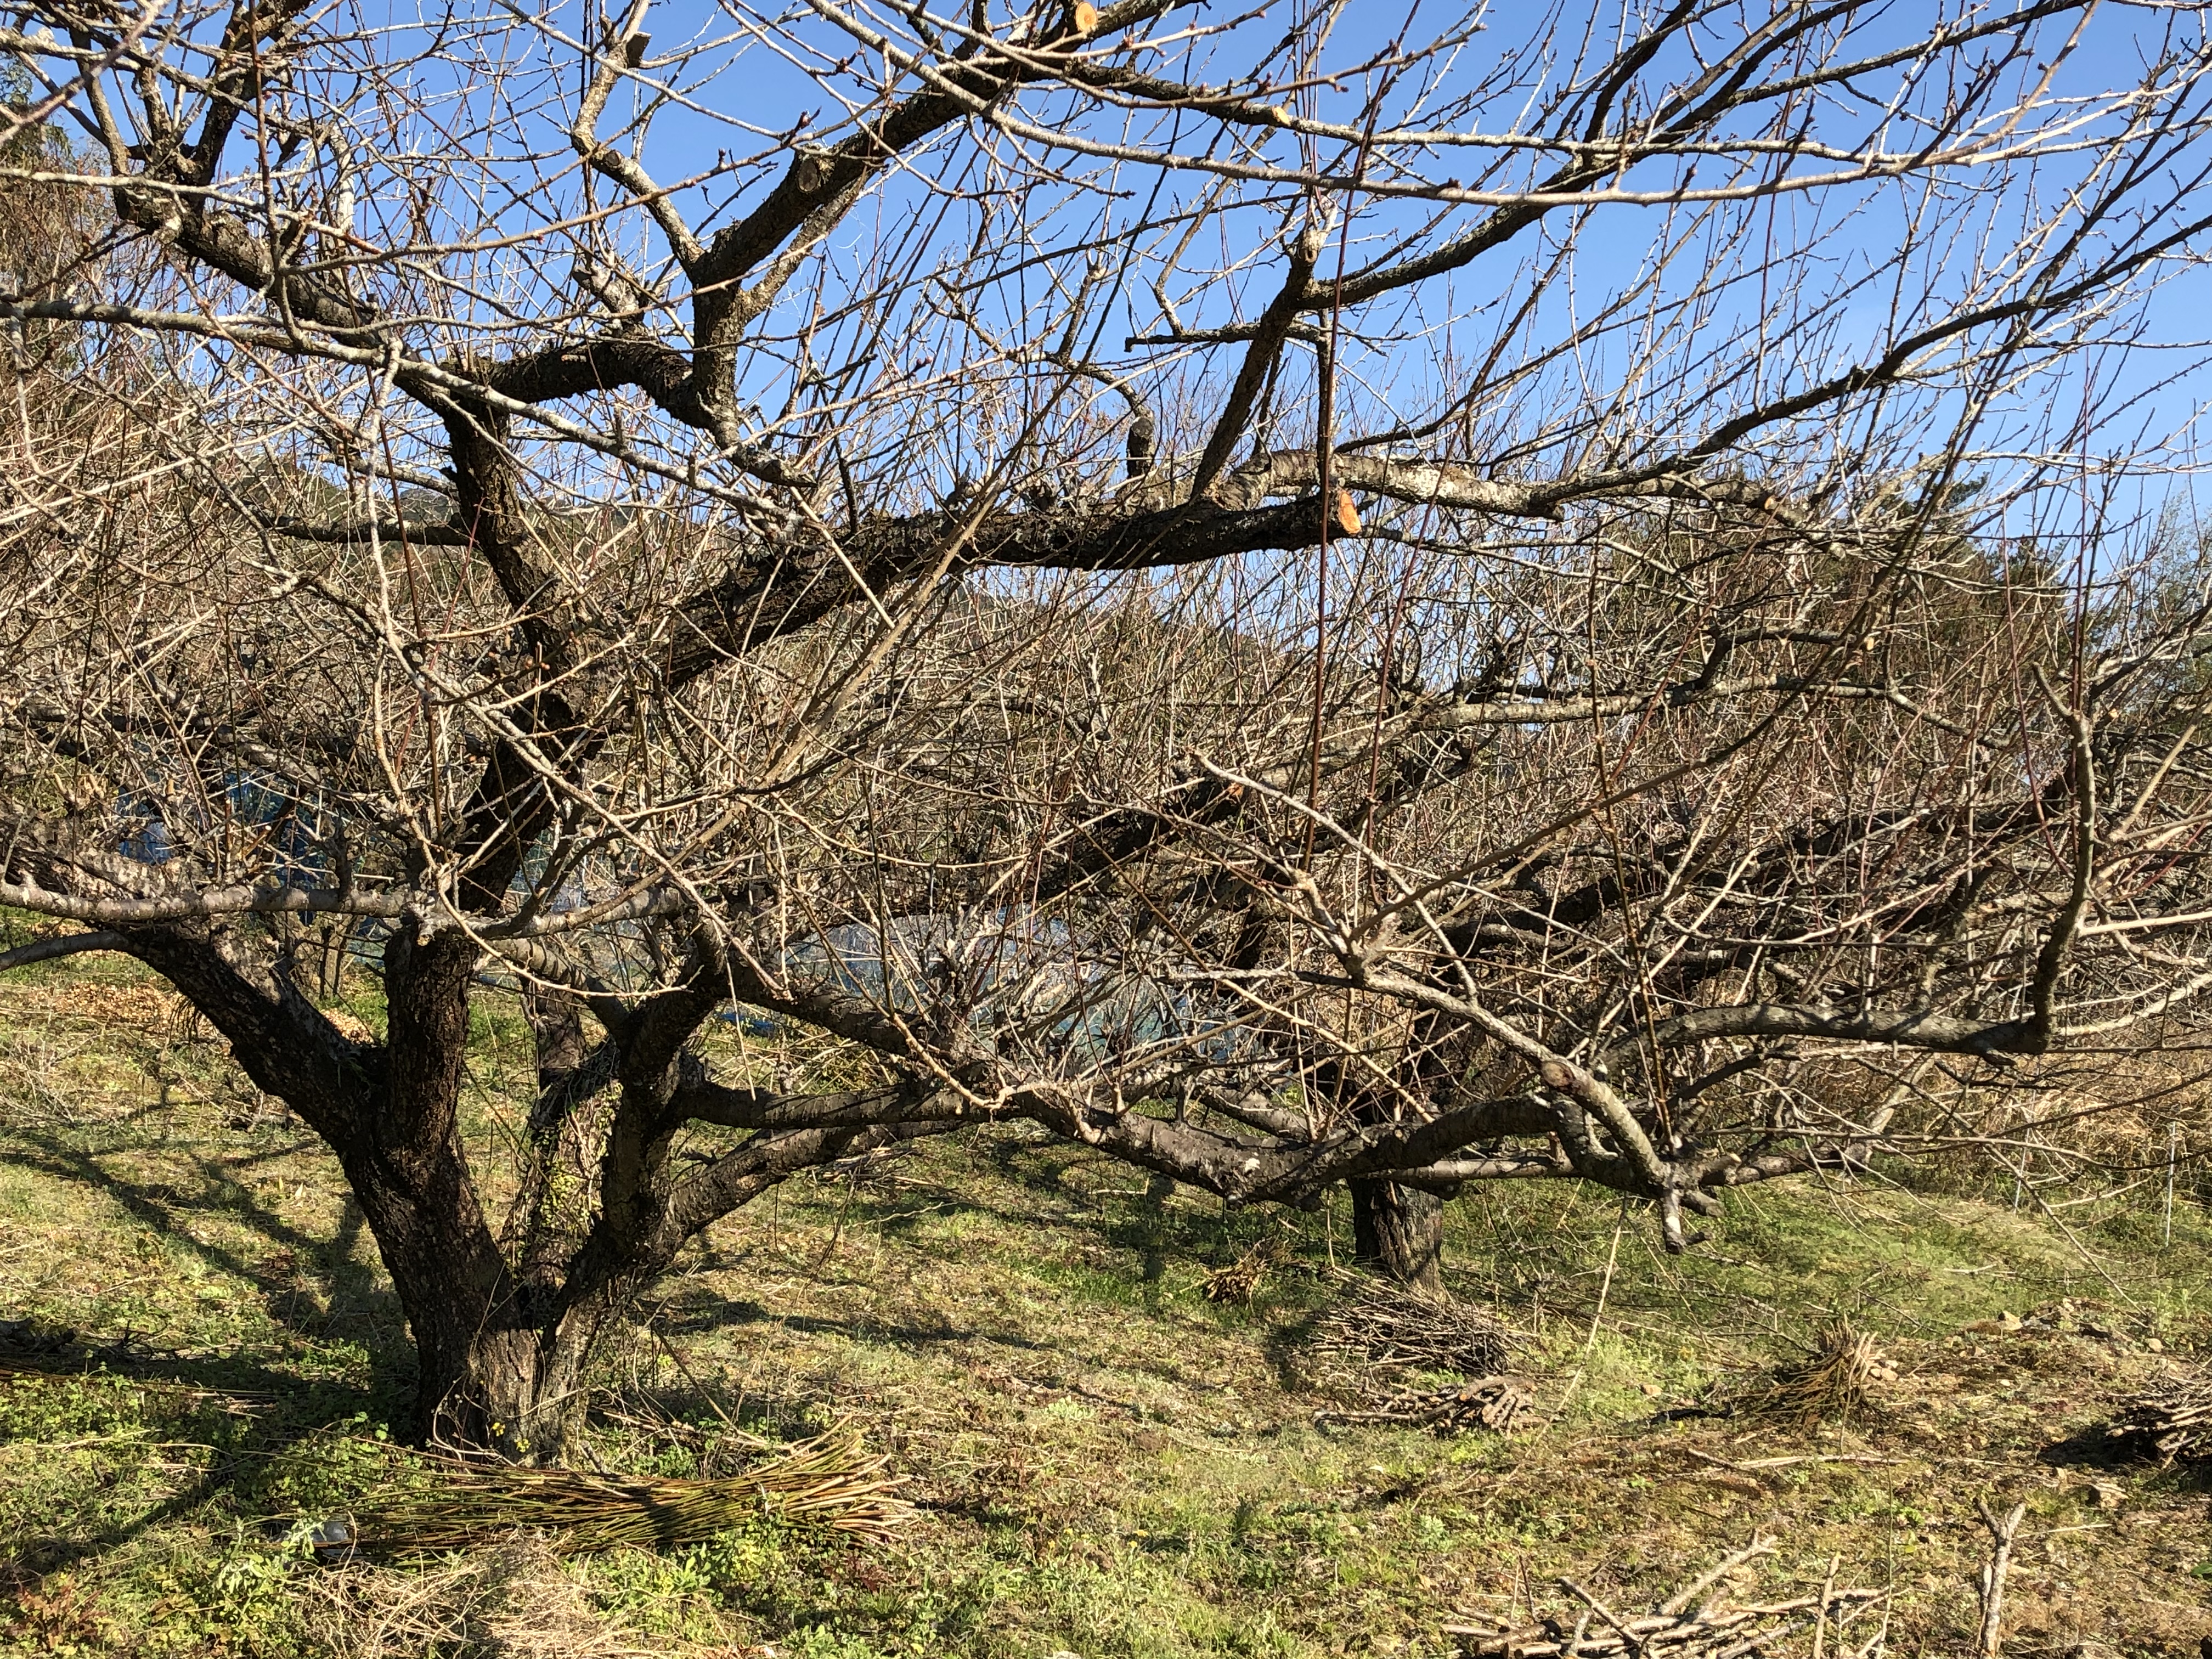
column 1111, row 1464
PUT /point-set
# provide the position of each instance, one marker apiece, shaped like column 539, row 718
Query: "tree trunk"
column 484, row 1375
column 505, row 1387
column 1399, row 1231
column 503, row 1327
column 500, row 1359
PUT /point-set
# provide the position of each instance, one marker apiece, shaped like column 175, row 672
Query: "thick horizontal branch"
column 414, row 532
column 742, row 1174
column 631, row 358
column 1422, row 481
column 702, row 1101
column 208, row 902
column 499, row 933
column 1906, row 1028
column 768, row 599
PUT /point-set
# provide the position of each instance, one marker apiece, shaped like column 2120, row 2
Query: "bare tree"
column 1295, row 600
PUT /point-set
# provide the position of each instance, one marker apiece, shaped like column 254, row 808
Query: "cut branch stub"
column 1346, row 518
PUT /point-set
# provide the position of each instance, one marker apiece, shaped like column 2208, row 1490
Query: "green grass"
column 1112, row 1466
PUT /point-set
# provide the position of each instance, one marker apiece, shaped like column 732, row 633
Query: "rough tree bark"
column 1399, row 1231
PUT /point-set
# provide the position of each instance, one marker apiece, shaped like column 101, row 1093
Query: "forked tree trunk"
column 504, row 1320
column 1399, row 1231
column 509, row 1390
column 500, row 1336
column 499, row 1367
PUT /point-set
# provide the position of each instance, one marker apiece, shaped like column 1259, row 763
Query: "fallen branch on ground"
column 2002, row 1534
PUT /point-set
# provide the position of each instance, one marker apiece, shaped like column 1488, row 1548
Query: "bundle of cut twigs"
column 828, row 1482
column 1370, row 1341
column 1396, row 1330
column 1697, row 1622
column 1488, row 1402
column 1240, row 1281
column 2172, row 1417
column 1830, row 1384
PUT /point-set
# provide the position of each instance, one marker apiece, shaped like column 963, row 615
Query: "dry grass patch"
column 513, row 1600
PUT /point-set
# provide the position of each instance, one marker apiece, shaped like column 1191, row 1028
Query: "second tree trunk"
column 1399, row 1231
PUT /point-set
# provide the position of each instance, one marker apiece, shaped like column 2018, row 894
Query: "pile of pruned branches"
column 829, row 1482
column 2173, row 1418
column 1387, row 1347
column 1699, row 1621
column 1391, row 1329
column 1831, row 1383
column 1490, row 1403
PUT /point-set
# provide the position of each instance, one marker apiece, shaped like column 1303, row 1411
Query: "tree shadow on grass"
column 308, row 1286
column 2095, row 1449
column 701, row 1313
column 33, row 1557
column 177, row 1404
column 349, row 1289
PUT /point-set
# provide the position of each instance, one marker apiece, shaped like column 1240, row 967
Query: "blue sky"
column 1836, row 290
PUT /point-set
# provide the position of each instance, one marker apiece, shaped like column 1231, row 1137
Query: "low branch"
column 67, row 944
column 213, row 901
column 413, row 532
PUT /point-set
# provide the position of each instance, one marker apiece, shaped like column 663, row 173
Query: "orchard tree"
column 1302, row 595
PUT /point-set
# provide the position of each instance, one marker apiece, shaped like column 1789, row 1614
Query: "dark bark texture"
column 1399, row 1231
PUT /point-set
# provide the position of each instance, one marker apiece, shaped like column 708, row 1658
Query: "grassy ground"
column 1110, row 1463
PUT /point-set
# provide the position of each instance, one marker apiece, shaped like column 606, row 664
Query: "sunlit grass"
column 1110, row 1464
